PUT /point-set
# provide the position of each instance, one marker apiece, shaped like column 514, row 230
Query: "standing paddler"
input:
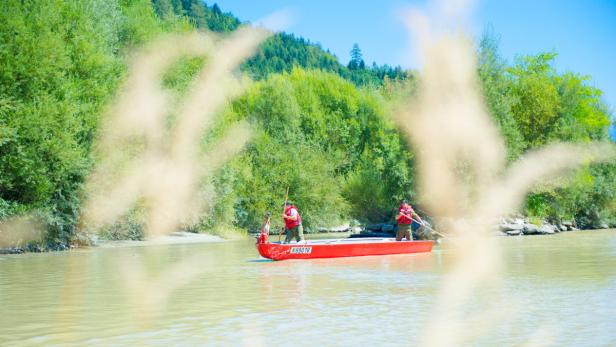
column 404, row 220
column 292, row 223
column 265, row 230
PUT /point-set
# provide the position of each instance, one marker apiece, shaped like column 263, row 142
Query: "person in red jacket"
column 292, row 223
column 404, row 220
column 265, row 230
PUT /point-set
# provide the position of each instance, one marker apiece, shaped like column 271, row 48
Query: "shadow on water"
column 262, row 260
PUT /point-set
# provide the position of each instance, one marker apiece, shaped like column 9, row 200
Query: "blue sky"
column 583, row 33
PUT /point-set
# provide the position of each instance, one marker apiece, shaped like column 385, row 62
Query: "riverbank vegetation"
column 322, row 128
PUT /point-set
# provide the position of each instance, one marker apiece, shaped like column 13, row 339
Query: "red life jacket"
column 407, row 211
column 288, row 223
column 264, row 233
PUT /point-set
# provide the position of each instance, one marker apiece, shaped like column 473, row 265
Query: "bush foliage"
column 321, row 127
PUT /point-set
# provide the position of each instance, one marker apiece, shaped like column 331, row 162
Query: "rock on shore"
column 522, row 226
column 505, row 226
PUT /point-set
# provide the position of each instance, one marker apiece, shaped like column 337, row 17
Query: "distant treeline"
column 321, row 127
column 283, row 51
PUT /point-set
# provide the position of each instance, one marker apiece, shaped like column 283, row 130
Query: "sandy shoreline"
column 177, row 237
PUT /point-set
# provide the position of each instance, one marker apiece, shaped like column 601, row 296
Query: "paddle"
column 421, row 222
column 284, row 207
column 426, row 225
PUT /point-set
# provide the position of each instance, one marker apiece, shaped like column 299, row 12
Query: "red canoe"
column 341, row 248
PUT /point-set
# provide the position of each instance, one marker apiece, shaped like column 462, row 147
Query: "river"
column 563, row 286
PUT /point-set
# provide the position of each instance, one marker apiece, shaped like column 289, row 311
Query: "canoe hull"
column 340, row 248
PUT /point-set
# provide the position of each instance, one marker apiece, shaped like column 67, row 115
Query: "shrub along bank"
column 321, row 129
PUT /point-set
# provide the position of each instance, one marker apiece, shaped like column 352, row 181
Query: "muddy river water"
column 562, row 286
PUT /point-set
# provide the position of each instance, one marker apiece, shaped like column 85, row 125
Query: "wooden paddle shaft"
column 284, row 208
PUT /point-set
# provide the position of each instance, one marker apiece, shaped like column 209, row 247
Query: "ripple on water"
column 564, row 284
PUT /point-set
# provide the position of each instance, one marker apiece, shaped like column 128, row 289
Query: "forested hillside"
column 283, row 51
column 321, row 128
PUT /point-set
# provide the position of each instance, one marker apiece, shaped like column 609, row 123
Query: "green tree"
column 59, row 66
column 497, row 91
column 537, row 102
column 326, row 140
column 61, row 63
column 357, row 61
column 552, row 107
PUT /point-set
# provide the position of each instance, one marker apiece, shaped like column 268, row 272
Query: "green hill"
column 280, row 53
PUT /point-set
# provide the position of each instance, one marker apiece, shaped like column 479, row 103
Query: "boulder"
column 514, row 232
column 12, row 250
column 518, row 221
column 547, row 229
column 387, row 228
column 511, row 227
column 530, row 229
column 424, row 233
column 567, row 223
column 604, row 225
column 340, row 228
column 374, row 227
column 562, row 227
